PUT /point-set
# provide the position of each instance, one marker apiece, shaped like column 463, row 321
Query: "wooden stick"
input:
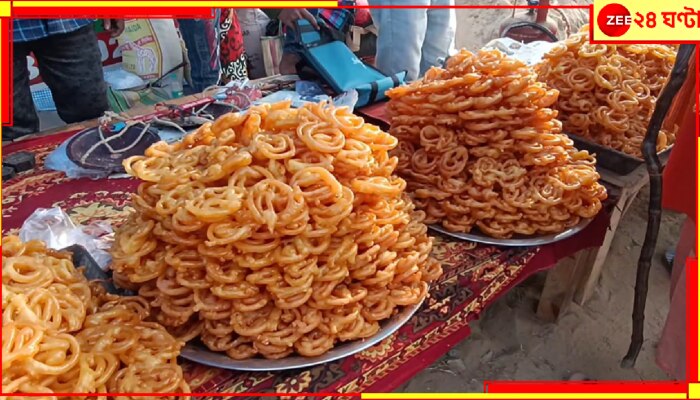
column 674, row 84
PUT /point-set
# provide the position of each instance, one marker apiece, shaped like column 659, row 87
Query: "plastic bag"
column 530, row 53
column 151, row 48
column 253, row 22
column 347, row 99
column 55, row 228
column 120, row 79
column 308, row 90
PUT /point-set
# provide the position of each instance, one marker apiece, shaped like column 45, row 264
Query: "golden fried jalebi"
column 275, row 232
column 61, row 334
column 479, row 148
column 608, row 92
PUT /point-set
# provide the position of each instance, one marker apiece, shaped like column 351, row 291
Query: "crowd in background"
column 213, row 52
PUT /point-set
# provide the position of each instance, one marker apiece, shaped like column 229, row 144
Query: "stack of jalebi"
column 61, row 334
column 479, row 148
column 274, row 232
column 608, row 92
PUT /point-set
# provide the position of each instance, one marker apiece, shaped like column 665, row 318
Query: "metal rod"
column 674, row 84
column 542, row 12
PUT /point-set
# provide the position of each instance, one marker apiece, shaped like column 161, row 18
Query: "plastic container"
column 43, row 99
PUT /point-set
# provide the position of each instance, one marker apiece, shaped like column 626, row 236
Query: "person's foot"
column 669, row 258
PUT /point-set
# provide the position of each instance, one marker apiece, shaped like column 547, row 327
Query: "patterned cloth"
column 231, row 49
column 26, row 30
column 475, row 276
column 338, row 18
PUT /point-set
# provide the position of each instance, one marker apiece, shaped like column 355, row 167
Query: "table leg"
column 561, row 284
column 590, row 278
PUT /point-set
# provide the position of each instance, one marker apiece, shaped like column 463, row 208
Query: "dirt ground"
column 509, row 342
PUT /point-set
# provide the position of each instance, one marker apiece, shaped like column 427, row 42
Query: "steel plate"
column 515, row 241
column 200, row 354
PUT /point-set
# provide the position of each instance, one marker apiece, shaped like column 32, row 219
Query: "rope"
column 565, row 19
column 168, row 123
column 229, row 91
column 105, row 141
column 109, row 116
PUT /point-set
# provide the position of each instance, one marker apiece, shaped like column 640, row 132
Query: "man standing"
column 413, row 39
column 69, row 62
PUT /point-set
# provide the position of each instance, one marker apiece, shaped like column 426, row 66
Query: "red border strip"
column 491, row 387
column 469, row 6
column 697, row 98
column 588, row 387
column 6, row 72
column 212, row 394
column 103, row 12
column 691, row 338
column 205, row 12
column 594, row 41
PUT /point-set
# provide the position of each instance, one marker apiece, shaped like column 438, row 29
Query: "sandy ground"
column 509, row 342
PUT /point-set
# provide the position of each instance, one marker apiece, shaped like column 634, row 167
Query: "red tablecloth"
column 475, row 276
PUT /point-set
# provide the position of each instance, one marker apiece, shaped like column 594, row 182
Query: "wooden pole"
column 674, row 84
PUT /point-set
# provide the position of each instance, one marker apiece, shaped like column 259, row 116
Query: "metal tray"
column 200, row 354
column 196, row 352
column 614, row 160
column 515, row 241
column 82, row 258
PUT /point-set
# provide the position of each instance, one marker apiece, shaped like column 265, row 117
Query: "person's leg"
column 71, row 66
column 401, row 34
column 439, row 36
column 25, row 119
column 200, row 38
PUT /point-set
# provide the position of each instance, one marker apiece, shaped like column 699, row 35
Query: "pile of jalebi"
column 479, row 148
column 608, row 92
column 62, row 334
column 274, row 232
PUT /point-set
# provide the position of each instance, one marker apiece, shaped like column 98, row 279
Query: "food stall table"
column 475, row 276
column 575, row 278
column 629, row 187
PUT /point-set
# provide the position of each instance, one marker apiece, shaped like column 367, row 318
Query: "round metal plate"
column 515, row 241
column 200, row 354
